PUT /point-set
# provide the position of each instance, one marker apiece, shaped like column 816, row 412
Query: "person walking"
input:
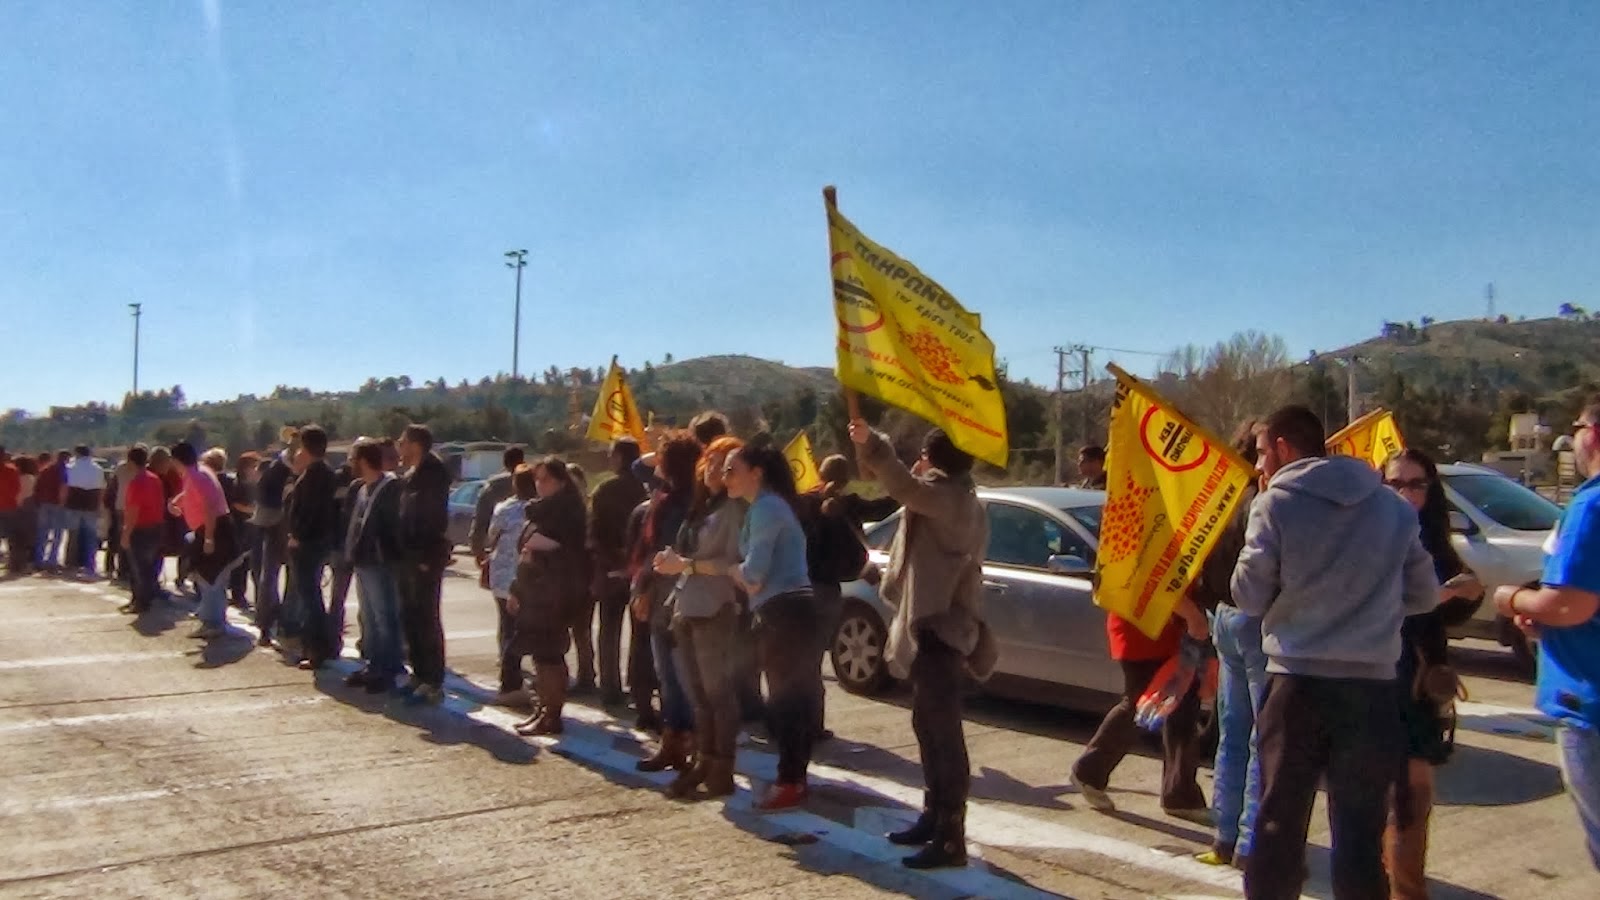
column 205, row 513
column 1563, row 613
column 1332, row 564
column 372, row 547
column 774, row 575
column 705, row 622
column 425, row 548
column 614, row 501
column 934, row 581
column 1428, row 685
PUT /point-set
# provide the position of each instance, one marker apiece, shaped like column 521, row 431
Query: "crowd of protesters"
column 1327, row 600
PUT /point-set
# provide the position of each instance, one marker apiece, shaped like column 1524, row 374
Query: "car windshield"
column 1087, row 516
column 1506, row 502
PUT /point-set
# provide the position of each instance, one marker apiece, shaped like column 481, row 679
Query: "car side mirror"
column 1068, row 565
column 1460, row 524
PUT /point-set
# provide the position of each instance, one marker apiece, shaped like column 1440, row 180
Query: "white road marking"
column 88, row 659
column 149, row 714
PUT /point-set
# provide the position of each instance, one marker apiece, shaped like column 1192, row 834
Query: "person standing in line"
column 372, row 546
column 86, row 483
column 10, row 493
column 313, row 519
column 935, row 583
column 144, row 521
column 1241, row 683
column 247, row 474
column 549, row 588
column 205, row 512
column 505, row 530
column 116, row 503
column 775, row 577
column 24, row 529
column 614, row 501
column 1332, row 564
column 216, row 459
column 50, row 492
column 173, row 530
column 425, row 546
column 1563, row 613
column 272, row 528
column 1092, row 468
column 705, row 621
column 642, row 681
column 1424, row 674
column 346, row 485
column 496, row 490
column 583, row 629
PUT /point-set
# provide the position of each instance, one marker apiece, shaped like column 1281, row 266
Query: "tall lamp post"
column 137, row 312
column 516, row 259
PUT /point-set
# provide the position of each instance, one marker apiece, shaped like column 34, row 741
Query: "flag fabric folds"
column 615, row 413
column 1374, row 437
column 802, row 463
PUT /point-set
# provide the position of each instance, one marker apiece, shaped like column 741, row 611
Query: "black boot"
column 948, row 849
column 919, row 833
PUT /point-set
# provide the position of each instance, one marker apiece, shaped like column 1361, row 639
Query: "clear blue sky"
column 312, row 193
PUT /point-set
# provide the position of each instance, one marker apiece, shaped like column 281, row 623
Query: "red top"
column 10, row 486
column 1129, row 643
column 147, row 501
column 47, row 489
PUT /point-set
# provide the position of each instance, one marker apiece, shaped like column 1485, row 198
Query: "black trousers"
column 1350, row 731
column 936, row 676
column 1180, row 760
column 613, row 603
column 786, row 629
column 420, row 622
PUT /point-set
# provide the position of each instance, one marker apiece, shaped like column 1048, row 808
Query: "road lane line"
column 148, row 714
column 89, row 659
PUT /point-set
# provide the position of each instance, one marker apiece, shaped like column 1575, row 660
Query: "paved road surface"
column 138, row 764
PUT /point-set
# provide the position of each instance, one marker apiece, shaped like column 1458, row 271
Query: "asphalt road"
column 139, row 764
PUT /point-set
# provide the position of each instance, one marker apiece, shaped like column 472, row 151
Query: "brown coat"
column 935, row 575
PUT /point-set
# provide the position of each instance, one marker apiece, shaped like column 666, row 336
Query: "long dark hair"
column 1434, row 517
column 776, row 476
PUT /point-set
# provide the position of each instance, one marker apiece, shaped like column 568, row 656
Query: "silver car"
column 1499, row 528
column 1037, row 601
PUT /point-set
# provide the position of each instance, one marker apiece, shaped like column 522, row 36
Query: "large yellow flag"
column 1171, row 488
column 615, row 414
column 1374, row 437
column 906, row 341
column 802, row 464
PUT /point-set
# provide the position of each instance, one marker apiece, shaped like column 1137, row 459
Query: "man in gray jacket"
column 1332, row 564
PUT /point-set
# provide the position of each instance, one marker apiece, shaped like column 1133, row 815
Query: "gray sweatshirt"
column 1332, row 564
column 715, row 540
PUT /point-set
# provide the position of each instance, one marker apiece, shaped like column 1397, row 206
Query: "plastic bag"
column 1193, row 667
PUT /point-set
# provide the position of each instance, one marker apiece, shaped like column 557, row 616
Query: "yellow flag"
column 1374, row 437
column 615, row 414
column 802, row 463
column 906, row 341
column 1171, row 488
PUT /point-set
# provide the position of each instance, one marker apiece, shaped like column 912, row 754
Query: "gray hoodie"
column 1332, row 564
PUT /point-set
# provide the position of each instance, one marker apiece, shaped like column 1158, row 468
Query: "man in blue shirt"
column 1563, row 614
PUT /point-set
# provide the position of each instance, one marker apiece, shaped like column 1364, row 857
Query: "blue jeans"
column 1580, row 768
column 52, row 535
column 268, row 564
column 304, row 615
column 379, row 596
column 677, row 710
column 213, row 609
column 85, row 524
column 1241, row 684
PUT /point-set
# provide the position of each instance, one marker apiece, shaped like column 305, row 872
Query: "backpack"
column 835, row 552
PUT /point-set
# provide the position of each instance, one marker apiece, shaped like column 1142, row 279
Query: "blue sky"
column 310, row 193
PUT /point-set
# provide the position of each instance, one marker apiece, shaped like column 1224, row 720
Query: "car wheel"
column 858, row 651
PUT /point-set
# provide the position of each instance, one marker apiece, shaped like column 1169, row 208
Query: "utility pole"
column 1351, row 402
column 1061, row 408
column 1088, row 377
column 138, row 310
column 518, row 260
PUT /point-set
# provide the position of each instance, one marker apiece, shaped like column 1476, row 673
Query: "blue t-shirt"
column 1569, row 658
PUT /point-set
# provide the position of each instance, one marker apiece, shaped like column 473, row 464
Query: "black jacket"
column 614, row 502
column 425, row 513
column 377, row 541
column 314, row 509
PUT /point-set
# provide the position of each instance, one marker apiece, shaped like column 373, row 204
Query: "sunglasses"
column 1407, row 484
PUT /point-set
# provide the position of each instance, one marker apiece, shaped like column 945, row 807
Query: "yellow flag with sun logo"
column 802, row 463
column 1171, row 488
column 1374, row 437
column 908, row 342
column 615, row 414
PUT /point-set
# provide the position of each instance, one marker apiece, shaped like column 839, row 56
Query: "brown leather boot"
column 684, row 785
column 552, row 686
column 670, row 753
column 719, row 777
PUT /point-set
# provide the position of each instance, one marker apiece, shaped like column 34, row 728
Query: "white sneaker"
column 1098, row 800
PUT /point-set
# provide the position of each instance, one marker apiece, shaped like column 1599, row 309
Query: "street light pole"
column 516, row 259
column 138, row 310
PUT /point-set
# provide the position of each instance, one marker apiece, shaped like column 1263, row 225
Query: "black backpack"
column 835, row 552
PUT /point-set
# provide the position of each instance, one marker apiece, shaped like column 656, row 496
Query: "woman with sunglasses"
column 1427, row 682
column 774, row 574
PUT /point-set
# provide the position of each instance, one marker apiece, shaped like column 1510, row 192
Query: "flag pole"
column 852, row 403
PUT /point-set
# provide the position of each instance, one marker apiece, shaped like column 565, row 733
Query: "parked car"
column 1499, row 527
column 1037, row 601
column 463, row 505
